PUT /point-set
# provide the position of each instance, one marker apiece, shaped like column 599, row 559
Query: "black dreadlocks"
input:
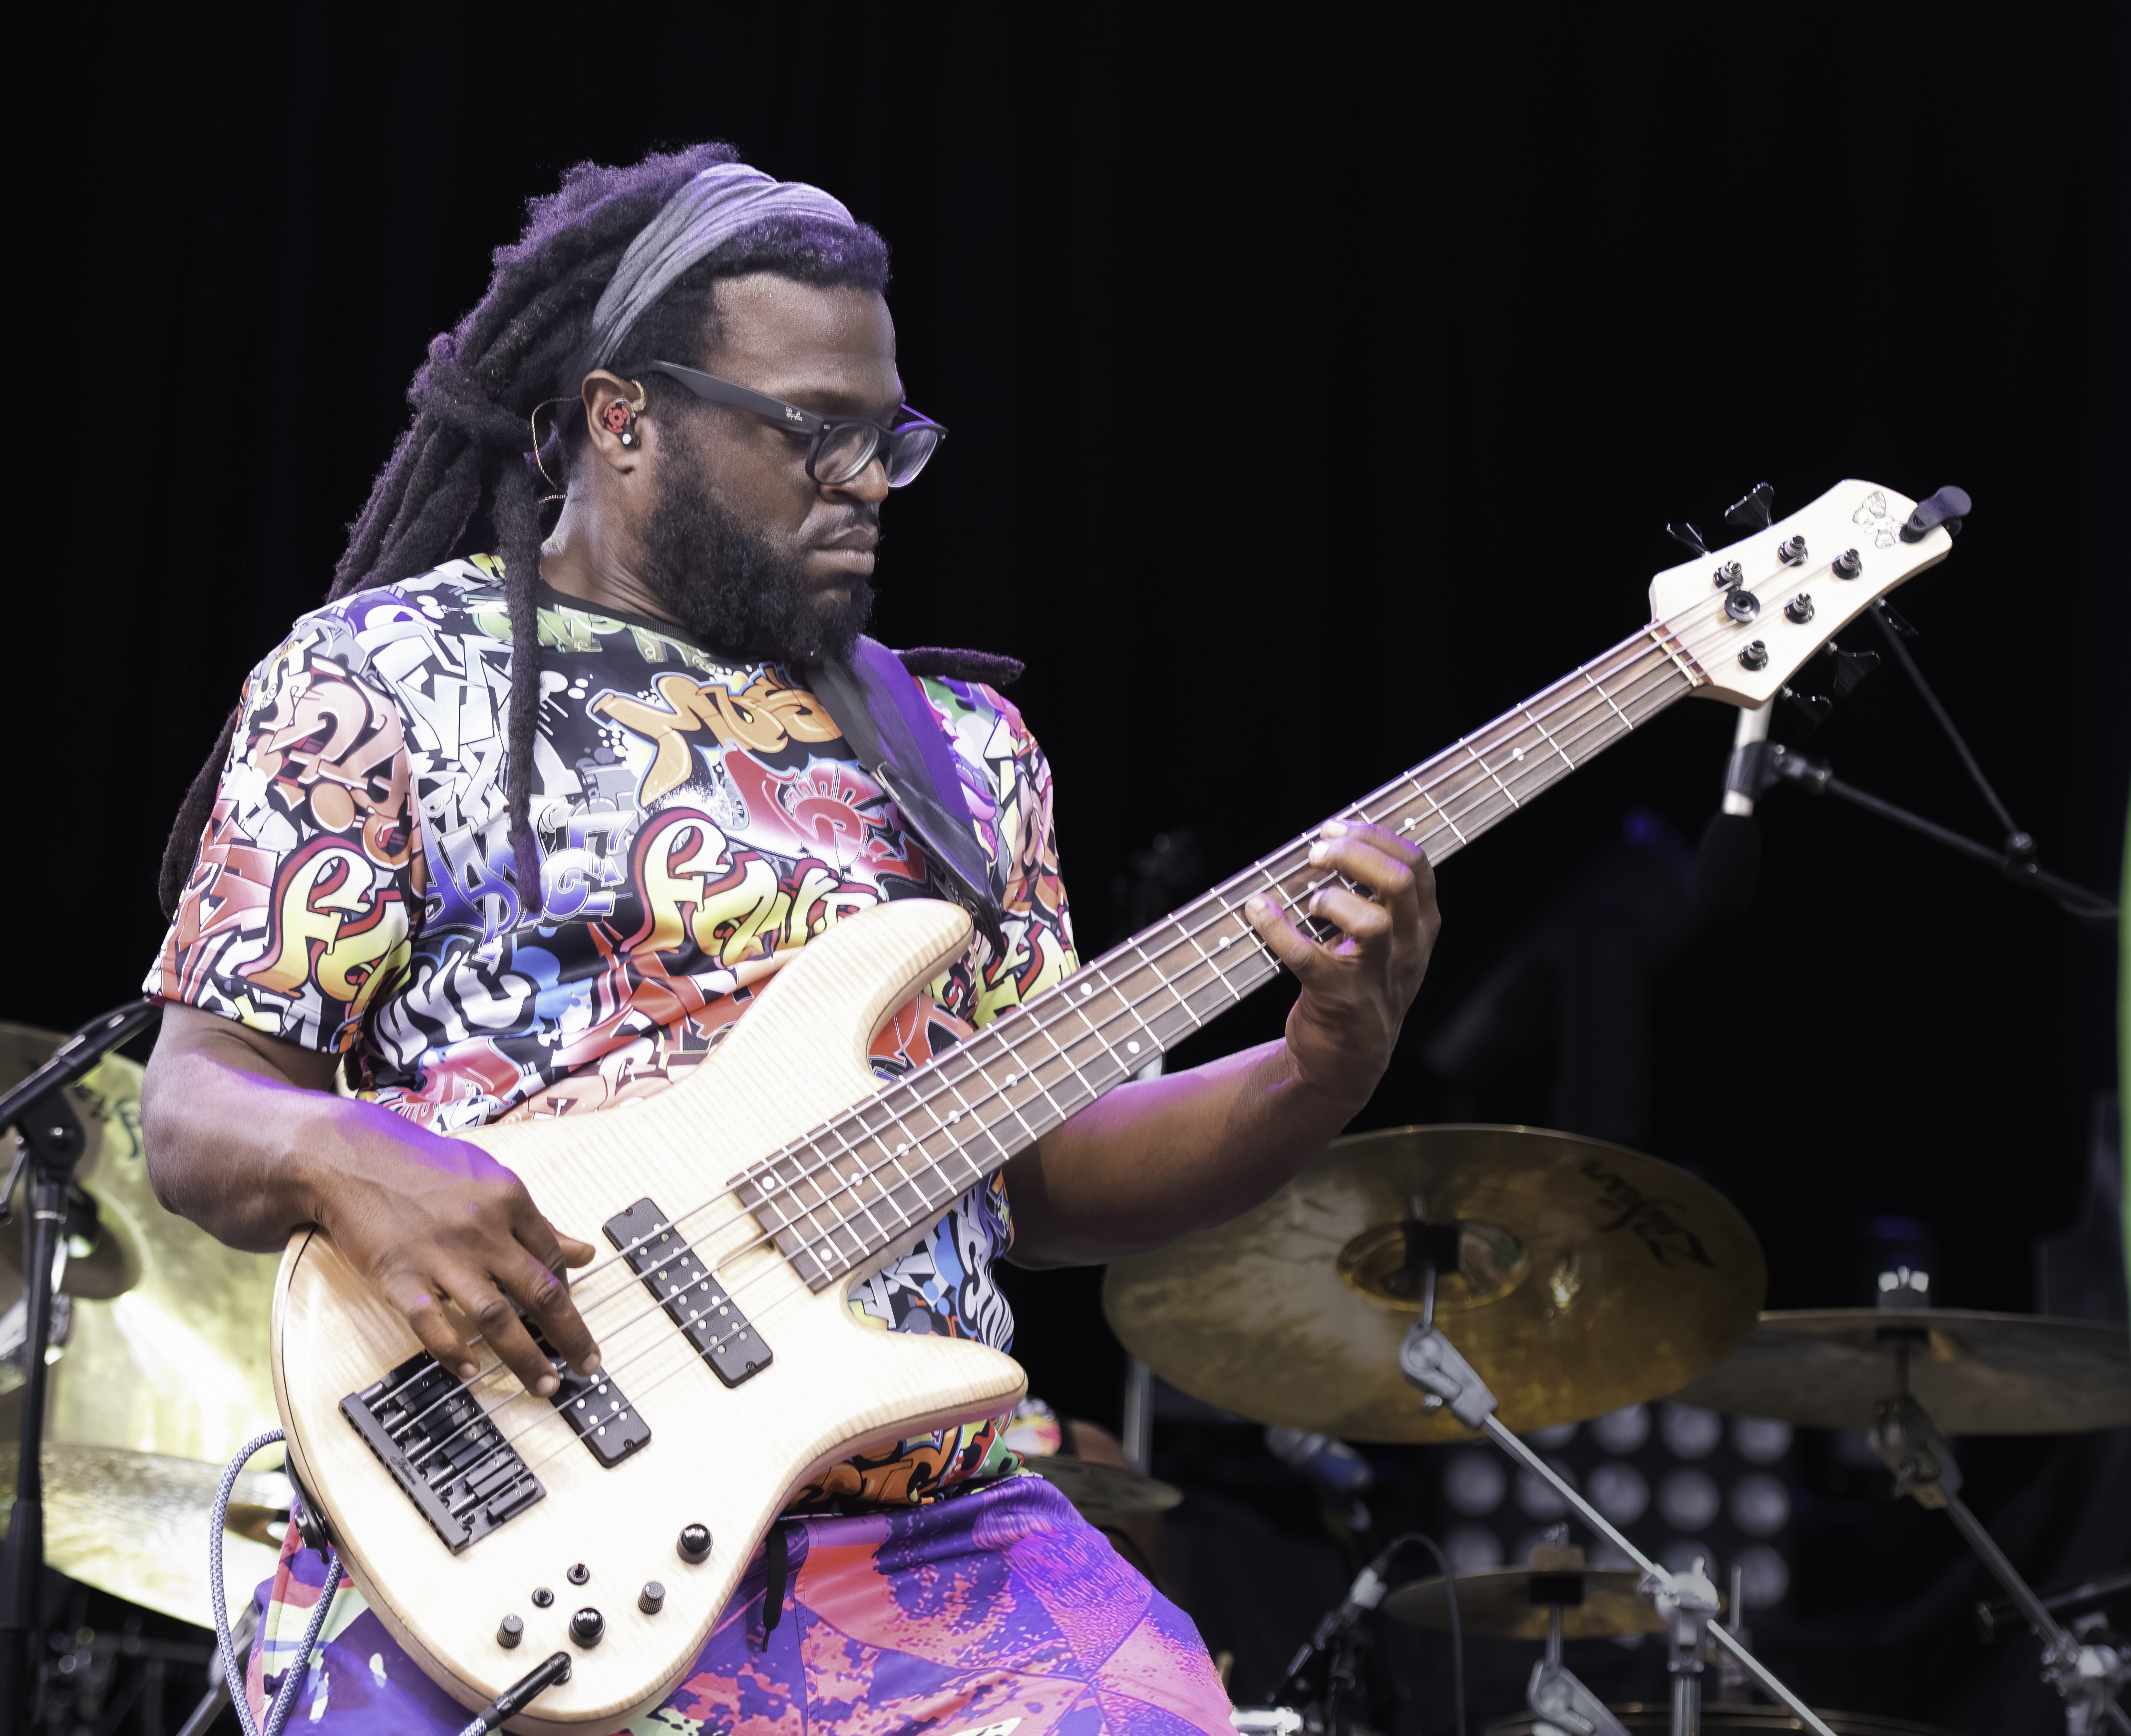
column 461, row 478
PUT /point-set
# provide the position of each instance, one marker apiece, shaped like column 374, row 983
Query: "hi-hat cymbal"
column 1977, row 1374
column 1511, row 1603
column 1589, row 1277
column 1105, row 1493
column 134, row 1524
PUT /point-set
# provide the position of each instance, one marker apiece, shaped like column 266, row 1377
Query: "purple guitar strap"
column 886, row 722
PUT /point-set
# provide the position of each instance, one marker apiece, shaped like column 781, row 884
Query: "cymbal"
column 1105, row 1493
column 134, row 1524
column 1718, row 1717
column 1511, row 1603
column 1589, row 1277
column 165, row 1362
column 1977, row 1374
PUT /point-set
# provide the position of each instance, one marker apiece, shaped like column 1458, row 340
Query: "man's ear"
column 613, row 409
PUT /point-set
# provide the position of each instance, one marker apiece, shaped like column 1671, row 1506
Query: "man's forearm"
column 1158, row 1158
column 227, row 1137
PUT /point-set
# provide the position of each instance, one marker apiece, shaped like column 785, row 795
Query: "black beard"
column 734, row 589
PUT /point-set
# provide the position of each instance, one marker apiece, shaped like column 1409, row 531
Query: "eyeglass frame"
column 794, row 420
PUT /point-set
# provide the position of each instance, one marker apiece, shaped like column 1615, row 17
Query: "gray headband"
column 707, row 212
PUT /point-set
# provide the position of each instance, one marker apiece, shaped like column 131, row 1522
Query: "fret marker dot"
column 953, row 1116
column 1087, row 989
column 1516, row 753
column 1409, row 825
column 1133, row 1047
column 902, row 1148
column 1223, row 942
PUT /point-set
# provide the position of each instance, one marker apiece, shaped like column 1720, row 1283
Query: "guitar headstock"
column 1751, row 614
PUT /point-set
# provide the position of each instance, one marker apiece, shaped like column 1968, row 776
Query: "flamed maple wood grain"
column 725, row 1458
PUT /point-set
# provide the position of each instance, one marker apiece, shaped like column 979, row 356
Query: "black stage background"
column 1319, row 389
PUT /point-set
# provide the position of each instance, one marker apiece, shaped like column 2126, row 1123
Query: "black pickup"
column 698, row 1303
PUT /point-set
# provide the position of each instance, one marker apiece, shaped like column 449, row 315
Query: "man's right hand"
column 244, row 1137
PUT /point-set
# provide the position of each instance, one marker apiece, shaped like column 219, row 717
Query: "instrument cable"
column 491, row 1717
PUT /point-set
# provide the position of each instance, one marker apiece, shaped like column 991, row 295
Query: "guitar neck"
column 836, row 1198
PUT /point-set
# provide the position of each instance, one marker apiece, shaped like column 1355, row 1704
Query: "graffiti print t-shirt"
column 699, row 822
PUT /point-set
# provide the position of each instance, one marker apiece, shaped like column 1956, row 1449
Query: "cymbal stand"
column 1428, row 1359
column 1910, row 1444
column 1730, row 1679
column 51, row 1143
column 1554, row 1694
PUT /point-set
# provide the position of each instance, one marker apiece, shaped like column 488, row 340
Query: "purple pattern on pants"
column 1000, row 1612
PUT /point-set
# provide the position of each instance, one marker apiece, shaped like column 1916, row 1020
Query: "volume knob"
column 587, row 1627
column 694, row 1544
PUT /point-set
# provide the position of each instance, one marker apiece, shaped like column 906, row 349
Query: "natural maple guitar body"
column 832, row 1171
column 723, row 1458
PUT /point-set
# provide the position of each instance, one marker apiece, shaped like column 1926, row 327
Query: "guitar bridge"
column 442, row 1450
column 698, row 1304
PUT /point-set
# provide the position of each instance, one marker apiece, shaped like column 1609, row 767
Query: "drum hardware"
column 2085, row 1676
column 1993, row 1615
column 51, row 1142
column 1686, row 1600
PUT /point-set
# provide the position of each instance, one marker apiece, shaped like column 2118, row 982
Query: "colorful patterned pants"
column 996, row 1613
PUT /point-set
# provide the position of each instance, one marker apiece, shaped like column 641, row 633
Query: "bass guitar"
column 743, row 1204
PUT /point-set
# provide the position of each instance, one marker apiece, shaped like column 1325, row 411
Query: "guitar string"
column 815, row 1238
column 1531, row 722
column 1654, row 655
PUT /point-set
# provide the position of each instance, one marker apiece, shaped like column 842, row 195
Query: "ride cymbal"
column 1977, row 1374
column 1511, row 1603
column 1588, row 1277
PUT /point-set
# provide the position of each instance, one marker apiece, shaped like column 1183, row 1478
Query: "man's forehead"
column 787, row 337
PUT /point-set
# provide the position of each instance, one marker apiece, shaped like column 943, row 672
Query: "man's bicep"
column 192, row 1031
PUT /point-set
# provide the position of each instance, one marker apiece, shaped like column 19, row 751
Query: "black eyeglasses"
column 842, row 446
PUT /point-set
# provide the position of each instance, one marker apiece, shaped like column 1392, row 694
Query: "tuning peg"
column 1815, row 705
column 1685, row 533
column 1948, row 507
column 1851, row 668
column 1894, row 623
column 1754, row 511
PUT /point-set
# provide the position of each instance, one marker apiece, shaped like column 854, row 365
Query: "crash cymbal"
column 1589, row 1277
column 134, row 1524
column 1977, row 1374
column 1511, row 1603
column 1105, row 1493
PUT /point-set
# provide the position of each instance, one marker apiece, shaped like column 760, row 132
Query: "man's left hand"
column 1357, row 984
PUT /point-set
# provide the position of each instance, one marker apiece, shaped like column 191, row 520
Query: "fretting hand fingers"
column 1358, row 982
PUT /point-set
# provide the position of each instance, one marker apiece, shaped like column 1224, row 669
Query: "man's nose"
column 869, row 485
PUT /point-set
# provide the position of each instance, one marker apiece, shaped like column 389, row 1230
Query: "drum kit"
column 1421, row 1284
column 1438, row 1283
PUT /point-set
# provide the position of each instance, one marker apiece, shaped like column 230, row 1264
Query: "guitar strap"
column 886, row 722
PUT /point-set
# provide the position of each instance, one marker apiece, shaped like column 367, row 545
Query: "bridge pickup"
column 597, row 1410
column 675, row 1274
column 444, row 1450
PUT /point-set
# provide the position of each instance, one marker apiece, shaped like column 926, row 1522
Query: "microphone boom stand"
column 49, row 1143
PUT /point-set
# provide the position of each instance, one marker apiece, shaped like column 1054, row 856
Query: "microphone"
column 1729, row 863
